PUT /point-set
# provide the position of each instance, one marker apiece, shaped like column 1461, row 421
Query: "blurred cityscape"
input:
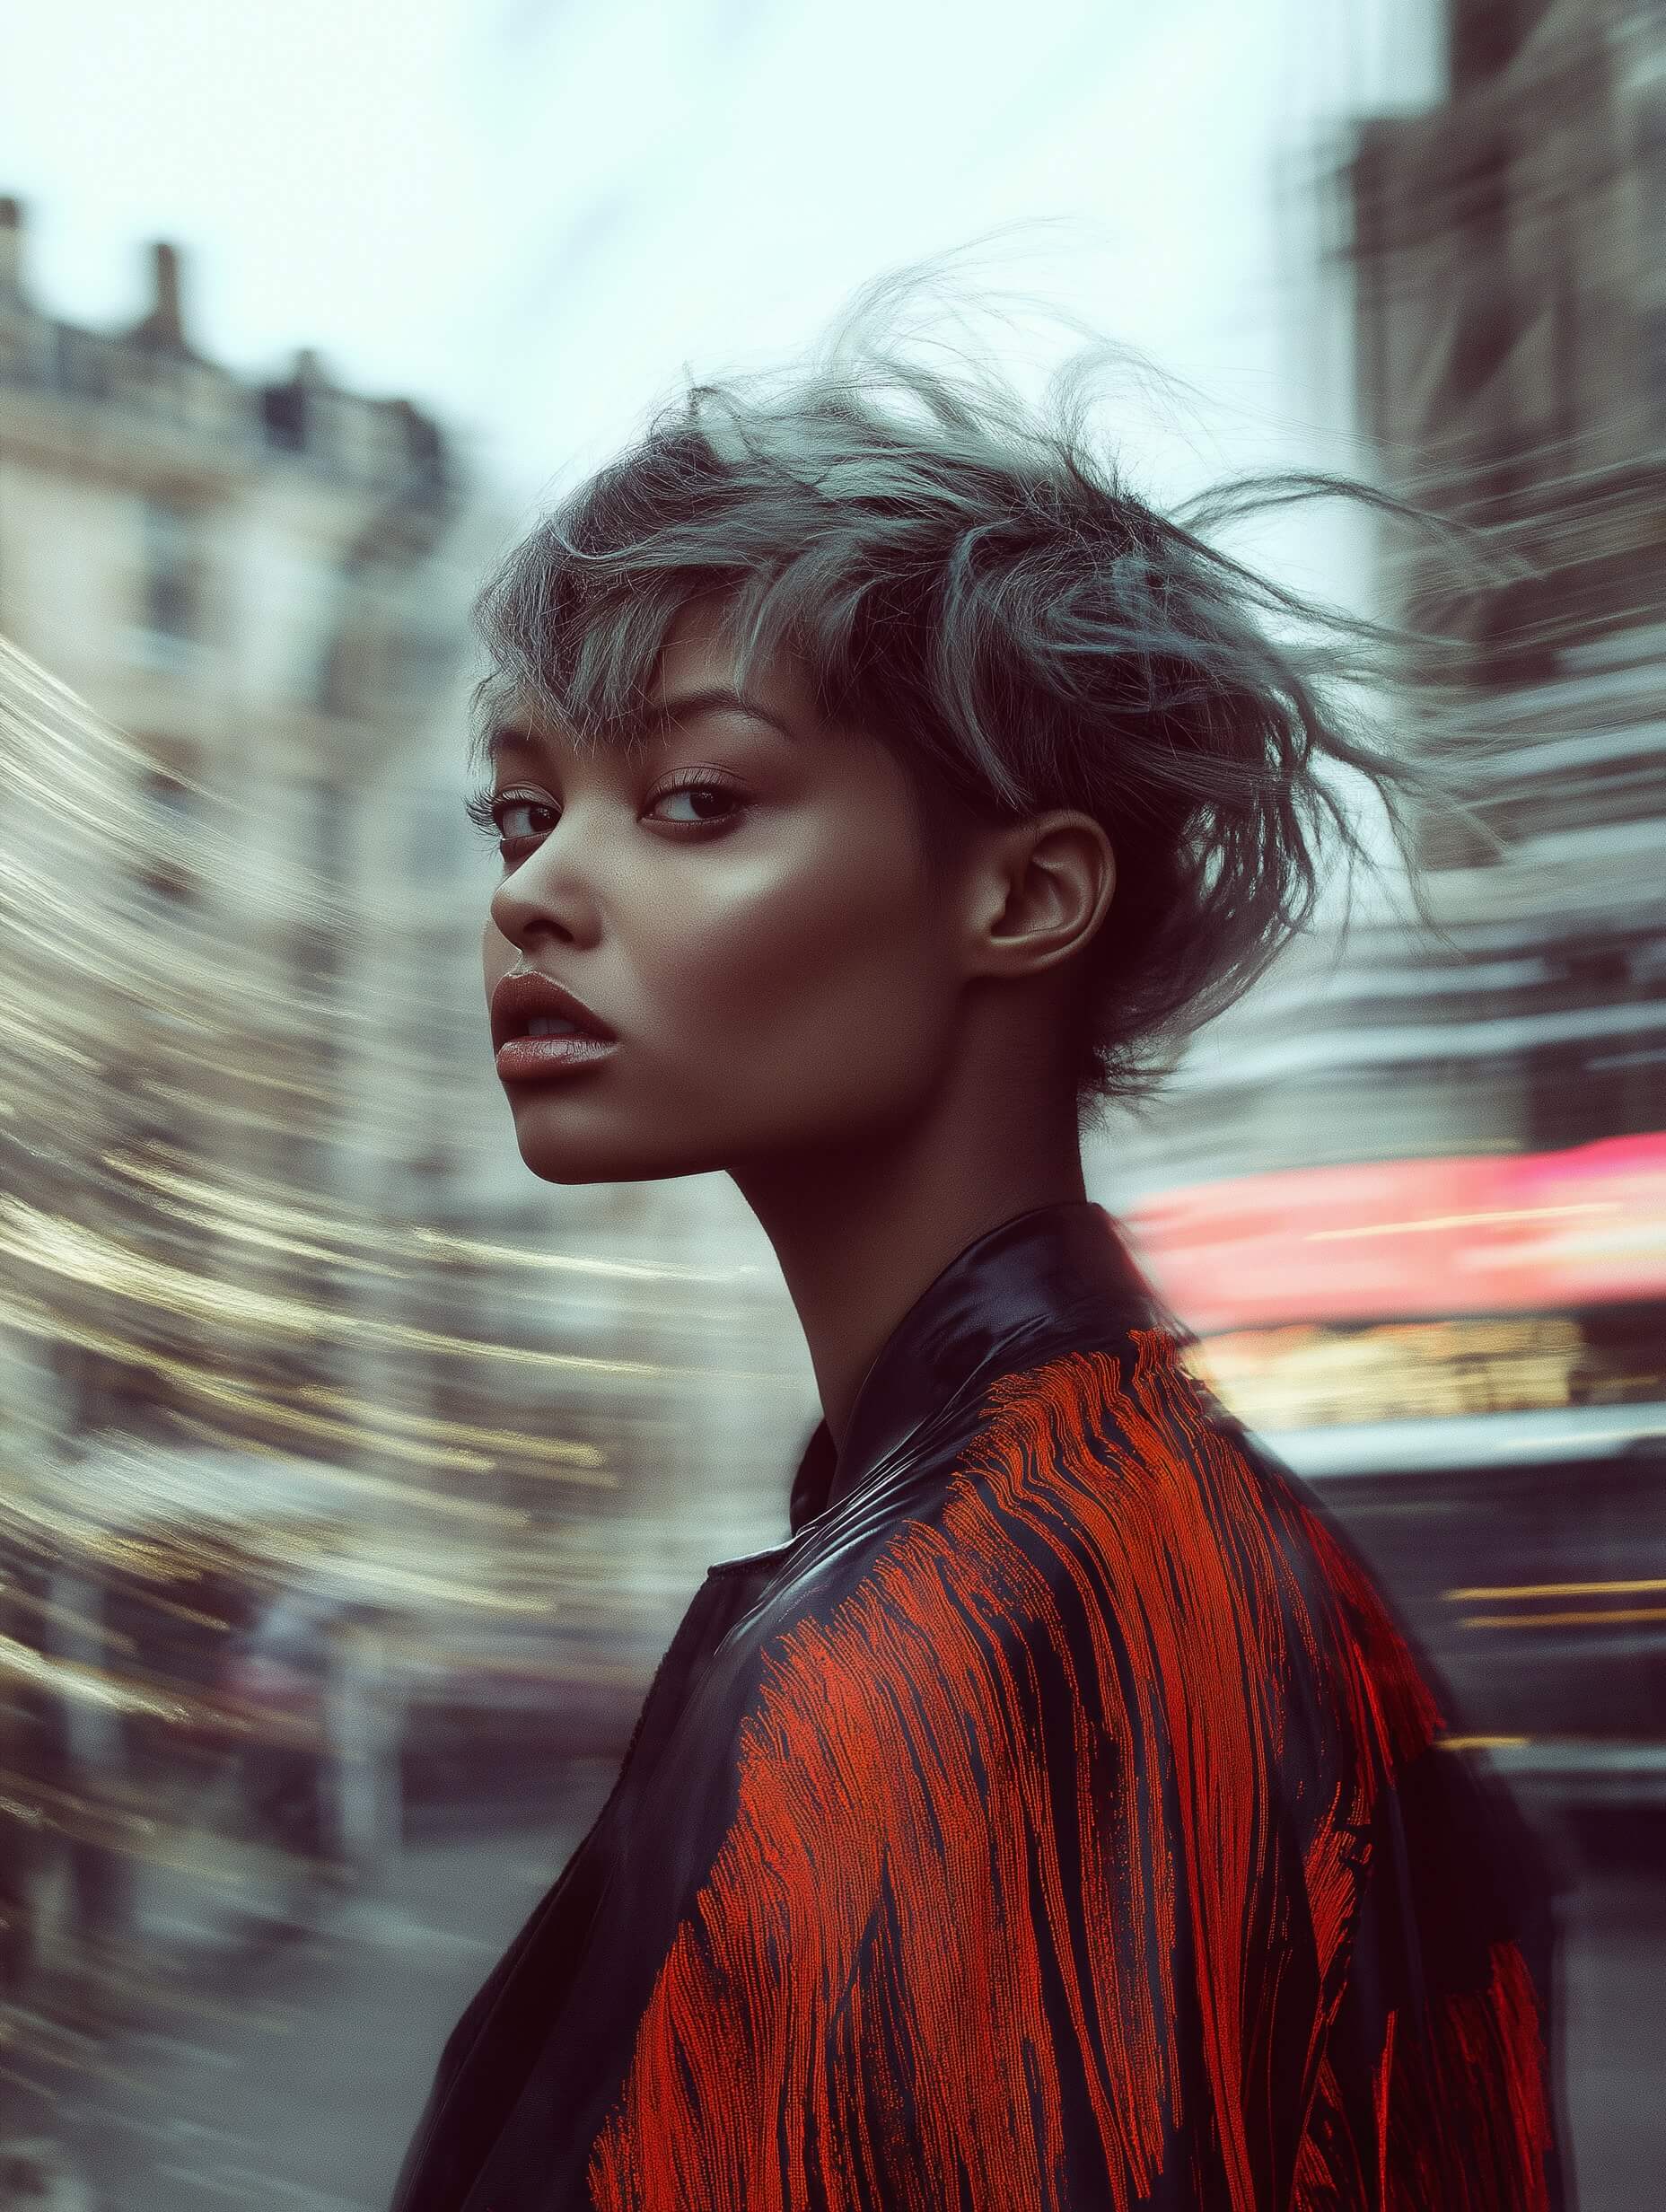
column 351, row 1482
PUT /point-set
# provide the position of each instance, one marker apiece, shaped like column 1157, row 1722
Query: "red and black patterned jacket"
column 1057, row 1820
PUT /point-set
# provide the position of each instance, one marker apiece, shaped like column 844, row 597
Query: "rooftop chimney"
column 11, row 246
column 164, row 326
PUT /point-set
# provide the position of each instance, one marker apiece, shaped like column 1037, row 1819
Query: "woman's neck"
column 860, row 1234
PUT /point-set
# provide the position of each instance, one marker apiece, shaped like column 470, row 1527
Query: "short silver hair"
column 965, row 576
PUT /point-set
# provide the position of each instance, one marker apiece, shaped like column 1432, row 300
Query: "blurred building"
column 311, row 1217
column 1512, row 295
column 1411, row 1193
column 242, row 578
column 288, row 1333
column 1482, row 1107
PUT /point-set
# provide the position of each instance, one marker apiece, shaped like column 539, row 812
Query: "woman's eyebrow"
column 716, row 699
column 517, row 737
column 506, row 737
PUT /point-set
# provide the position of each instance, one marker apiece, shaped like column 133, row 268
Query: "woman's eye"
column 514, row 821
column 523, row 818
column 695, row 805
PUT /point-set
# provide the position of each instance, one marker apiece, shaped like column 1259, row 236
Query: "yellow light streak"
column 223, row 1223
column 91, row 1687
column 1581, row 1619
column 506, row 1440
column 498, row 1255
column 65, row 1248
column 281, row 1212
column 1555, row 1589
column 369, row 1430
column 37, row 1041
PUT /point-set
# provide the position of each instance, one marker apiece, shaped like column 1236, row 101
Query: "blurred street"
column 295, row 2080
column 298, row 2086
column 1617, row 2041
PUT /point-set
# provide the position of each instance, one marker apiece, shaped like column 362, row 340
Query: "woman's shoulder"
column 1094, row 1535
column 1106, row 1505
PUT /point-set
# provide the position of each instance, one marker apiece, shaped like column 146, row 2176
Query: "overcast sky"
column 532, row 213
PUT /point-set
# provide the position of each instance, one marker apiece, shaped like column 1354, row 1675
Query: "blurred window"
column 83, row 361
column 1618, row 1085
column 284, row 411
column 25, row 345
column 173, row 571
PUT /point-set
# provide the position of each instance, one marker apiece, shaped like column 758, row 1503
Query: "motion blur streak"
column 316, row 1511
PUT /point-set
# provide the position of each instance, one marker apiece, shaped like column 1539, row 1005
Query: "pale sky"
column 532, row 213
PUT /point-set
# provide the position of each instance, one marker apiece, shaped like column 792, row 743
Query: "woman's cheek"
column 791, row 936
column 766, row 933
column 832, row 976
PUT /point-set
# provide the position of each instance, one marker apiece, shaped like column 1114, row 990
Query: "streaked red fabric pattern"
column 940, row 1941
column 1468, row 2099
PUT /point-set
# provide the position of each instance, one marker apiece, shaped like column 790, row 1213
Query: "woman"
column 1056, row 1819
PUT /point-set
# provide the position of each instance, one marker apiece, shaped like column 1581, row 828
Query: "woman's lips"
column 526, row 1060
column 540, row 1029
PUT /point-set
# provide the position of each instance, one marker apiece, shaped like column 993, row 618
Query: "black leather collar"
column 1016, row 1295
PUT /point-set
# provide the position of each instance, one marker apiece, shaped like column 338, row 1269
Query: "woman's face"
column 744, row 903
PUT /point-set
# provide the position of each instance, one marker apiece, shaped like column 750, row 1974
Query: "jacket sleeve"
column 1437, row 2081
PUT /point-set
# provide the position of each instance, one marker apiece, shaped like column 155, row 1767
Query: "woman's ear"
column 1039, row 891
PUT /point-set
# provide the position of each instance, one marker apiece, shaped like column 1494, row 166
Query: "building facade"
column 1505, row 259
column 231, row 575
column 282, row 1184
column 1511, row 317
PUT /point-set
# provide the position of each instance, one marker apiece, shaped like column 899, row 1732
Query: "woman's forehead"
column 699, row 671
column 673, row 705
column 702, row 653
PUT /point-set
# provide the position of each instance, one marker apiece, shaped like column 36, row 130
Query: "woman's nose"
column 550, row 894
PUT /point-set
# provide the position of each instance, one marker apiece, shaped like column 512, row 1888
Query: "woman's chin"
column 573, row 1172
column 564, row 1156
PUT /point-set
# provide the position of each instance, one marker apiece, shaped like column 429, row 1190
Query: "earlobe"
column 1051, row 883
